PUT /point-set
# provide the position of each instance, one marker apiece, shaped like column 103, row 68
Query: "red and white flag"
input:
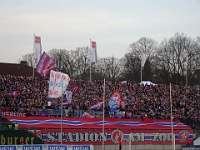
column 93, row 52
column 143, row 57
column 37, row 50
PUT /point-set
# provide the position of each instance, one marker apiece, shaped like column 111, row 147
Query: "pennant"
column 115, row 101
column 37, row 47
column 93, row 52
column 58, row 83
column 45, row 65
column 68, row 98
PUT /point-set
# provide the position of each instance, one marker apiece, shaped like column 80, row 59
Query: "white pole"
column 61, row 119
column 90, row 59
column 172, row 129
column 33, row 54
column 141, row 71
column 103, row 110
column 186, row 74
column 130, row 139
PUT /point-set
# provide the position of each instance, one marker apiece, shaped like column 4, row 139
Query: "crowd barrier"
column 46, row 147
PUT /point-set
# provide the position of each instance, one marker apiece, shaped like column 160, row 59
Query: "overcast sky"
column 113, row 24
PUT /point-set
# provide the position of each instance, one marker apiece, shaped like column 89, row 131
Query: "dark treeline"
column 174, row 60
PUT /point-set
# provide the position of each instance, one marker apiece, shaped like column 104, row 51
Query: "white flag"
column 58, row 83
column 143, row 57
column 37, row 47
column 93, row 52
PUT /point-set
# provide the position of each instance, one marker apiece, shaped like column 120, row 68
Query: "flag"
column 75, row 88
column 68, row 98
column 143, row 57
column 87, row 115
column 96, row 106
column 58, row 83
column 45, row 65
column 115, row 101
column 37, row 47
column 93, row 52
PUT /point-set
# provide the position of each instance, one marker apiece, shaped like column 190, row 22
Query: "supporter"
column 139, row 101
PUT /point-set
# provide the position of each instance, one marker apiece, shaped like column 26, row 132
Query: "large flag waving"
column 143, row 57
column 115, row 101
column 93, row 52
column 58, row 84
column 45, row 64
column 37, row 47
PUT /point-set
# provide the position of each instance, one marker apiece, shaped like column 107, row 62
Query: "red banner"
column 89, row 130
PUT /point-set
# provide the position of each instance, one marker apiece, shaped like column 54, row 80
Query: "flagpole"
column 141, row 72
column 61, row 119
column 172, row 129
column 33, row 53
column 103, row 111
column 90, row 60
column 186, row 80
column 186, row 77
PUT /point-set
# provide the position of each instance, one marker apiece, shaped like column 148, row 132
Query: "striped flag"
column 37, row 47
column 93, row 52
column 45, row 65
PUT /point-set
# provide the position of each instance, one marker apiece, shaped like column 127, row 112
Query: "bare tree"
column 29, row 59
column 109, row 68
column 132, row 60
column 173, row 57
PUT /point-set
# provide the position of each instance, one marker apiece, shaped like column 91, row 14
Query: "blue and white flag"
column 115, row 101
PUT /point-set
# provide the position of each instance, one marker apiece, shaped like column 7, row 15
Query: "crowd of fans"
column 138, row 100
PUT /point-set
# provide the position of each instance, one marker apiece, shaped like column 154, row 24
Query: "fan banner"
column 89, row 130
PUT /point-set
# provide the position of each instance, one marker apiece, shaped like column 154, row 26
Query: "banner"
column 95, row 136
column 46, row 147
column 89, row 130
column 57, row 84
column 54, row 122
column 93, row 52
column 37, row 47
column 45, row 64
